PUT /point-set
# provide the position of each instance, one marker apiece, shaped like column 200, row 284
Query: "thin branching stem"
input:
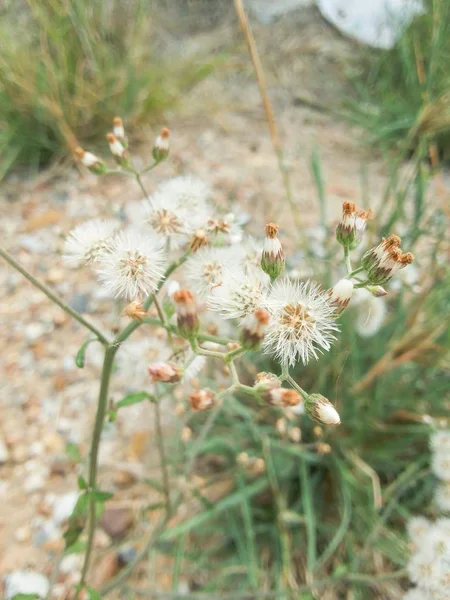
column 162, row 456
column 53, row 297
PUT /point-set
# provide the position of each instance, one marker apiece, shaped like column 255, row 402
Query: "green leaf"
column 26, row 597
column 101, row 496
column 134, row 398
column 82, row 484
column 73, row 453
column 76, row 548
column 77, row 521
column 79, row 359
column 93, row 594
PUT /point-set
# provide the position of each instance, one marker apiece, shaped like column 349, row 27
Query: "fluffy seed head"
column 440, row 464
column 301, row 321
column 240, row 292
column 134, row 266
column 442, row 497
column 319, row 409
column 205, row 268
column 440, row 441
column 88, row 242
column 202, row 399
column 418, row 530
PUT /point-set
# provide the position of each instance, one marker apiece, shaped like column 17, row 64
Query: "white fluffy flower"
column 240, row 292
column 89, row 241
column 134, row 266
column 418, row 529
column 194, row 368
column 438, row 541
column 424, row 569
column 249, row 252
column 301, row 323
column 204, row 269
column 440, row 441
column 440, row 464
column 371, row 312
column 187, row 191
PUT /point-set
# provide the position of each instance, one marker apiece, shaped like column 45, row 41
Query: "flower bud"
column 117, row 149
column 346, row 229
column 89, row 160
column 187, row 318
column 161, row 145
column 135, row 310
column 168, row 302
column 319, row 409
column 384, row 260
column 272, row 260
column 267, row 379
column 281, row 397
column 376, row 290
column 254, row 329
column 165, row 372
column 362, row 216
column 340, row 295
column 202, row 399
column 119, row 131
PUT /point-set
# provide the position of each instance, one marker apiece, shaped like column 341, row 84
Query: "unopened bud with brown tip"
column 361, row 218
column 187, row 318
column 340, row 295
column 135, row 310
column 202, row 399
column 319, row 409
column 254, row 329
column 281, row 397
column 118, row 150
column 346, row 229
column 89, row 160
column 119, row 131
column 376, row 290
column 161, row 145
column 272, row 259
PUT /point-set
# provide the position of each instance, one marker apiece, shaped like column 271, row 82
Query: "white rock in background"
column 25, row 582
column 267, row 11
column 71, row 564
column 377, row 23
column 4, row 454
column 34, row 482
column 63, row 507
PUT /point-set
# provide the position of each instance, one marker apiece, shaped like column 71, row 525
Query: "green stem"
column 53, row 297
column 162, row 456
column 232, row 354
column 150, row 167
column 93, row 458
column 141, row 185
column 356, row 271
column 201, row 337
column 295, row 385
column 348, row 262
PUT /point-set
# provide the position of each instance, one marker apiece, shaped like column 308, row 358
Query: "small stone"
column 20, row 453
column 63, row 507
column 34, row 482
column 124, row 479
column 126, row 555
column 35, row 449
column 105, row 570
column 23, row 534
column 116, row 521
column 25, row 582
column 101, row 540
column 4, row 453
column 32, row 244
column 34, row 331
column 54, row 443
column 47, row 533
column 71, row 564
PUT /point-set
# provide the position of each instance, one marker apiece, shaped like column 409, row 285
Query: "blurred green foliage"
column 67, row 68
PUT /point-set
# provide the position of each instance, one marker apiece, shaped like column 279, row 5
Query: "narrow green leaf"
column 26, row 597
column 76, row 548
column 79, row 359
column 82, row 484
column 101, row 496
column 73, row 453
column 93, row 594
column 134, row 398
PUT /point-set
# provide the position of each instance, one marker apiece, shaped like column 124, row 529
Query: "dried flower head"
column 90, row 161
column 134, row 266
column 319, row 409
column 302, row 321
column 88, row 242
column 340, row 295
column 280, row 397
column 384, row 260
column 199, row 240
column 202, row 399
column 135, row 310
column 272, row 259
column 205, row 268
column 161, row 145
column 254, row 328
column 240, row 293
column 165, row 372
column 187, row 318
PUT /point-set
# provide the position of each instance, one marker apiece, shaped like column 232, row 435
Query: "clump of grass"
column 67, row 68
column 404, row 101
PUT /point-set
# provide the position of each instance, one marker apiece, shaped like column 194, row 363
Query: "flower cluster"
column 224, row 271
